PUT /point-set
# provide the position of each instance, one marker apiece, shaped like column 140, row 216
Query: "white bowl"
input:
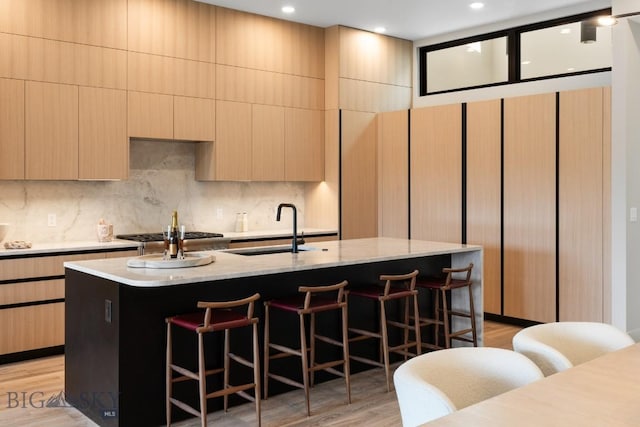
column 4, row 228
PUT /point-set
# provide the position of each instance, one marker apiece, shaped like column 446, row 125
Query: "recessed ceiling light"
column 571, row 69
column 607, row 21
column 526, row 62
column 565, row 31
column 476, row 5
column 288, row 9
column 380, row 30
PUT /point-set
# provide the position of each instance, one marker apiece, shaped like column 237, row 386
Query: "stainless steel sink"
column 267, row 250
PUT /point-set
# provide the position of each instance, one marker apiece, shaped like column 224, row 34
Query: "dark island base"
column 115, row 370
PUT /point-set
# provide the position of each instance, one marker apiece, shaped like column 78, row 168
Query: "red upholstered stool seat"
column 310, row 301
column 217, row 317
column 442, row 315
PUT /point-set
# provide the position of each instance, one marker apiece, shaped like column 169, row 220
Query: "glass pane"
column 559, row 50
column 473, row 64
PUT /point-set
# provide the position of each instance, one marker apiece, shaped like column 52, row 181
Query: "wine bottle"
column 173, row 236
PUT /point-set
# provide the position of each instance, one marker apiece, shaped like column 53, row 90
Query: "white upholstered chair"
column 435, row 384
column 557, row 346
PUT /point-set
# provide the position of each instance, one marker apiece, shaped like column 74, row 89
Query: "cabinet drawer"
column 16, row 293
column 32, row 327
column 27, row 268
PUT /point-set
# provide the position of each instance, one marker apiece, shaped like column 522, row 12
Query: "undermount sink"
column 267, row 250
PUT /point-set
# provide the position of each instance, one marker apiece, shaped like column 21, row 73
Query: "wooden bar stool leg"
column 256, row 371
column 202, row 381
column 406, row 328
column 312, row 344
column 416, row 325
column 385, row 343
column 445, row 315
column 305, row 364
column 345, row 351
column 169, row 383
column 226, row 369
column 266, row 351
column 472, row 312
column 436, row 326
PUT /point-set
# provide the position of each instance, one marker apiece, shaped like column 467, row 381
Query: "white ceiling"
column 407, row 19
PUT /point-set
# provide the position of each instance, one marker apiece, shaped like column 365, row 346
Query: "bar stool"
column 311, row 301
column 439, row 288
column 217, row 317
column 396, row 287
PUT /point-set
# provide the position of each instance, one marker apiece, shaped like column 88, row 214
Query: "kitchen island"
column 115, row 329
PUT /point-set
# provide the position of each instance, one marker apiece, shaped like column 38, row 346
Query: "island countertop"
column 228, row 265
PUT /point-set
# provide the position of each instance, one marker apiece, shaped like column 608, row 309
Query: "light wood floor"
column 25, row 387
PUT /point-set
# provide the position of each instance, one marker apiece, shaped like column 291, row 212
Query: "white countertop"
column 228, row 265
column 89, row 245
column 274, row 234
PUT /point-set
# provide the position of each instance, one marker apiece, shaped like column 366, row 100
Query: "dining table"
column 604, row 391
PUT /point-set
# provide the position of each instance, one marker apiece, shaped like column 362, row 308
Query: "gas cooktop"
column 157, row 237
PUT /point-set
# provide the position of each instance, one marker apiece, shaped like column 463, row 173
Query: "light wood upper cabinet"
column 267, row 143
column 436, row 173
column 359, row 191
column 530, row 207
column 581, row 206
column 104, row 144
column 229, row 157
column 193, row 118
column 150, row 115
column 393, row 174
column 51, row 137
column 175, row 28
column 91, row 22
column 484, row 151
column 303, row 145
column 11, row 129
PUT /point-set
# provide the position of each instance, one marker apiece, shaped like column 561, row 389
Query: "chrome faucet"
column 294, row 242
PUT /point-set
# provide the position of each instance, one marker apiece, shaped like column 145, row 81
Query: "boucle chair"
column 557, row 346
column 438, row 383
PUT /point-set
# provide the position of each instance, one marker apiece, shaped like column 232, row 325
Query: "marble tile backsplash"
column 161, row 179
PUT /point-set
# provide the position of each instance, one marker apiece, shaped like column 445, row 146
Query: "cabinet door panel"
column 530, row 207
column 581, row 205
column 193, row 118
column 32, row 327
column 304, row 145
column 51, row 131
column 393, row 169
column 104, row 145
column 150, row 115
column 232, row 146
column 359, row 186
column 11, row 129
column 484, row 128
column 436, row 173
column 267, row 143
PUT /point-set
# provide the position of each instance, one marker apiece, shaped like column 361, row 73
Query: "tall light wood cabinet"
column 359, row 186
column 12, row 129
column 530, row 207
column 393, row 174
column 483, row 195
column 51, row 136
column 104, row 144
column 436, row 173
column 581, row 205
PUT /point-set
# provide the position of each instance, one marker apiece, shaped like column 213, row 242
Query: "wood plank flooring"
column 25, row 387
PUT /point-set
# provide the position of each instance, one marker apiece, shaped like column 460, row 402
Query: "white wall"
column 161, row 180
column 625, row 171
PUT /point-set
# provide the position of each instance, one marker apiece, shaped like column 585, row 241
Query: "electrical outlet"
column 108, row 310
column 51, row 220
column 219, row 213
